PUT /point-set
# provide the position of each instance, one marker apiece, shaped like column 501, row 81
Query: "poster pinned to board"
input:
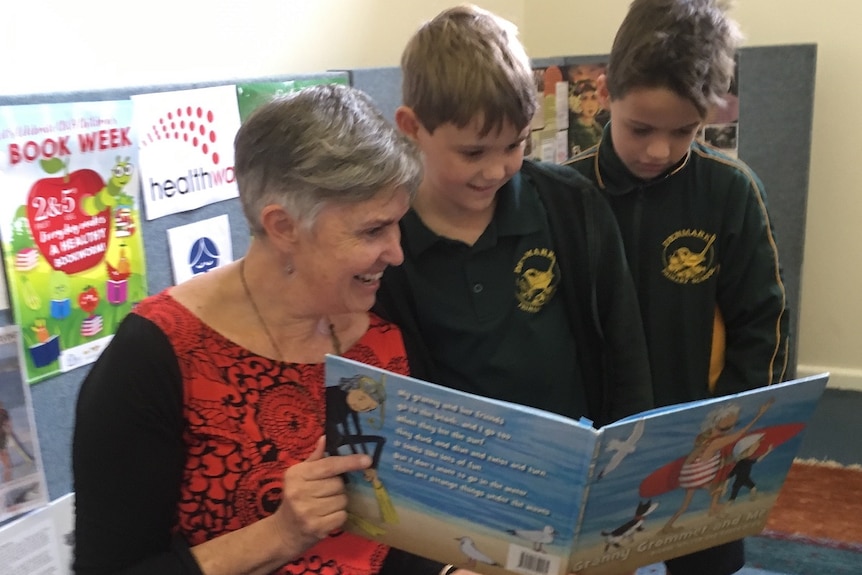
column 70, row 227
column 198, row 247
column 41, row 541
column 186, row 148
column 22, row 474
column 251, row 95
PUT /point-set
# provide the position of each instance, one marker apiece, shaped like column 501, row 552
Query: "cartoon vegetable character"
column 107, row 197
column 41, row 330
column 29, row 295
column 61, row 307
column 116, row 286
column 88, row 299
column 124, row 268
column 46, row 349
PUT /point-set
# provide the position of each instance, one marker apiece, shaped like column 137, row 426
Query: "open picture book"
column 498, row 488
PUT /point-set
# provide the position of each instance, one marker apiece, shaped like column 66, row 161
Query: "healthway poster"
column 70, row 228
column 186, row 148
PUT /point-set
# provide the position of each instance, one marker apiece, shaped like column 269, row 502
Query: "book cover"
column 497, row 488
column 672, row 481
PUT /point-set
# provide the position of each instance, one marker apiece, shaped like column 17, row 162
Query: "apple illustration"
column 88, row 300
column 69, row 240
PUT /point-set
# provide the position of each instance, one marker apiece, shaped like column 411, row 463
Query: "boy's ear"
column 407, row 122
column 281, row 226
column 602, row 91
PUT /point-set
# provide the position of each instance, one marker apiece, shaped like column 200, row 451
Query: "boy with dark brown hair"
column 697, row 232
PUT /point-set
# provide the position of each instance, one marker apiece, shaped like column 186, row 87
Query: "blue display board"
column 776, row 94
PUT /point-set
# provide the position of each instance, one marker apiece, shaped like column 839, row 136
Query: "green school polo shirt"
column 491, row 313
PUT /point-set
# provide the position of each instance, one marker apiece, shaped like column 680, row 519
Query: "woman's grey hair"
column 719, row 413
column 322, row 144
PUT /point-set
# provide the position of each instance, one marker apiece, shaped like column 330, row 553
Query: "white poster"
column 199, row 247
column 41, row 542
column 22, row 476
column 4, row 293
column 186, row 148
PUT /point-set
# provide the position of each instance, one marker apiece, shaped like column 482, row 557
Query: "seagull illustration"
column 537, row 537
column 622, row 448
column 474, row 556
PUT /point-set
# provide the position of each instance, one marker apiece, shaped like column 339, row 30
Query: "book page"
column 458, row 478
column 678, row 480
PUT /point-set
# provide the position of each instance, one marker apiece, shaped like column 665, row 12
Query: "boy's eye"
column 471, row 154
column 685, row 132
column 640, row 131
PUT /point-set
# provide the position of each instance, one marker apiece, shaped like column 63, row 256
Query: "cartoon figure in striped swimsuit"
column 700, row 470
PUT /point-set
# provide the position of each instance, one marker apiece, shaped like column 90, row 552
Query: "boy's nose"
column 494, row 170
column 658, row 149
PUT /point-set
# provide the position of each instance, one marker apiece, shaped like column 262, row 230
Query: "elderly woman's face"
column 360, row 401
column 342, row 257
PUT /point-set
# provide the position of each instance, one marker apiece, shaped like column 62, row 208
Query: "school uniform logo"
column 536, row 278
column 689, row 256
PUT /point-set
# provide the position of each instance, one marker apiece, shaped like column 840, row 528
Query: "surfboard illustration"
column 666, row 478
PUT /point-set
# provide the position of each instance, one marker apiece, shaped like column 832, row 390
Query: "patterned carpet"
column 820, row 503
column 815, row 527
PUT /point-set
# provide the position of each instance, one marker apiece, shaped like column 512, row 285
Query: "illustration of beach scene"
column 648, row 505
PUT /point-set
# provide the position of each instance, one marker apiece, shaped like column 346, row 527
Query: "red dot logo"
column 185, row 125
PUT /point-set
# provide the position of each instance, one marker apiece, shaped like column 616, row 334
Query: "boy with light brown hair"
column 514, row 284
column 514, row 270
column 695, row 224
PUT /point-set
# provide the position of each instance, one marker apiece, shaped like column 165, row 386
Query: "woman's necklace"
column 336, row 343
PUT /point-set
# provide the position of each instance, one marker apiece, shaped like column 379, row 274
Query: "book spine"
column 586, row 496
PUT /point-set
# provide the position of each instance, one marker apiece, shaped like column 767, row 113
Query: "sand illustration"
column 441, row 540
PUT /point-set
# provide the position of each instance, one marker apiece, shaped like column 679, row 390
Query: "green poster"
column 251, row 95
column 70, row 227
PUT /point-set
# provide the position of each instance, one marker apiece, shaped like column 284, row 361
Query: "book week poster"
column 70, row 227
